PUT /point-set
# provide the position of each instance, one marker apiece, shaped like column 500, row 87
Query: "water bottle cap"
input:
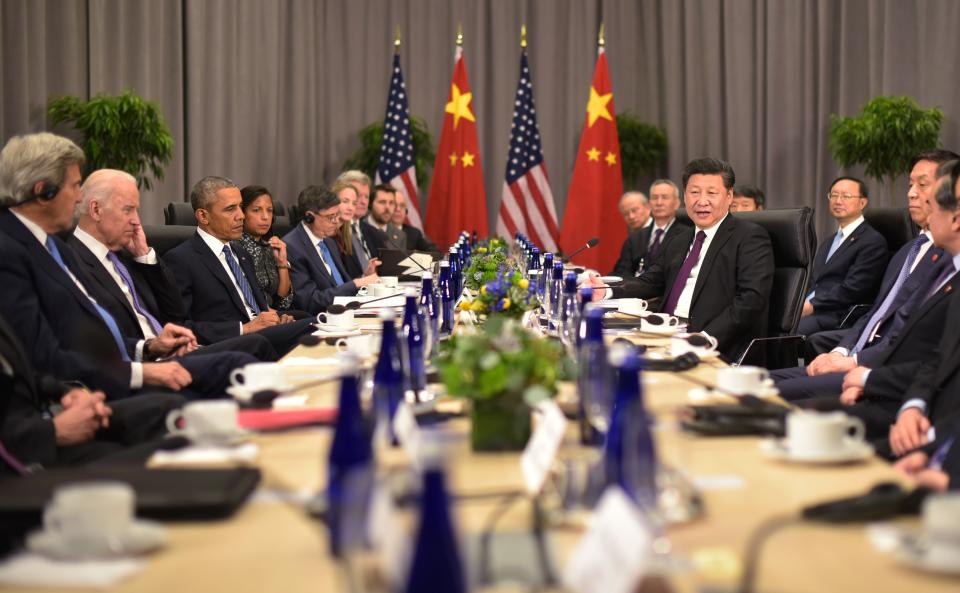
column 536, row 250
column 444, row 264
column 586, row 292
column 348, row 365
column 624, row 357
column 427, row 275
column 387, row 314
column 411, row 293
column 570, row 282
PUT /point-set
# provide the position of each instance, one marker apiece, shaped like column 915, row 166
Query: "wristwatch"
column 285, row 264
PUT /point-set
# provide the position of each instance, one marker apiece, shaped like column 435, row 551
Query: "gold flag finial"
column 600, row 40
column 459, row 34
column 523, row 36
column 396, row 39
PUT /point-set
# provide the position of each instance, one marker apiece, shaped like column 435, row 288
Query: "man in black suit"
column 717, row 275
column 129, row 280
column 216, row 278
column 382, row 207
column 316, row 270
column 908, row 276
column 416, row 240
column 936, row 465
column 645, row 242
column 66, row 331
column 45, row 424
column 367, row 240
column 849, row 264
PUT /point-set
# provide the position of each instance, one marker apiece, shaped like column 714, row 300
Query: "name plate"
column 541, row 449
column 613, row 555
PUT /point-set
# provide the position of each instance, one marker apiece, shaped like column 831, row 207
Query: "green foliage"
column 367, row 157
column 124, row 132
column 503, row 361
column 642, row 146
column 886, row 135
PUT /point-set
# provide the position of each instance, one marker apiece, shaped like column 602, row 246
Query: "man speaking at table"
column 716, row 276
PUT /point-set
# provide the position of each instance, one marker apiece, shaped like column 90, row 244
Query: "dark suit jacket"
column 350, row 262
column 155, row 290
column 730, row 298
column 850, row 277
column 58, row 326
column 417, row 241
column 634, row 249
column 213, row 306
column 375, row 238
column 313, row 288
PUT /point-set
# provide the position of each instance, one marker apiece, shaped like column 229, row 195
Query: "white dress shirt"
column 653, row 231
column 216, row 246
column 686, row 296
column 136, row 368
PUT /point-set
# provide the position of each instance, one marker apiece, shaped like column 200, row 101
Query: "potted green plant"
column 124, row 132
column 367, row 157
column 502, row 369
column 642, row 147
column 886, row 135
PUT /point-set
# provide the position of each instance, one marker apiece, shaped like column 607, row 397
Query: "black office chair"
column 294, row 214
column 279, row 209
column 281, row 226
column 894, row 224
column 165, row 237
column 179, row 213
column 794, row 245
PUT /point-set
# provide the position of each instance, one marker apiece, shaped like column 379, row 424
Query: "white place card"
column 408, row 432
column 388, row 536
column 614, row 554
column 541, row 449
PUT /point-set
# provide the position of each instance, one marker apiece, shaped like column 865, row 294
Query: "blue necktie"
column 329, row 259
column 881, row 313
column 137, row 304
column 837, row 240
column 104, row 315
column 241, row 279
column 940, row 455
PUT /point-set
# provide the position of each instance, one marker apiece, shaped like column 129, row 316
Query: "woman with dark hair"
column 269, row 253
column 344, row 237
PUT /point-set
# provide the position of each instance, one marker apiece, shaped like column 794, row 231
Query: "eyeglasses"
column 331, row 217
column 835, row 196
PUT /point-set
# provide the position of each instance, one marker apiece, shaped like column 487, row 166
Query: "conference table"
column 271, row 544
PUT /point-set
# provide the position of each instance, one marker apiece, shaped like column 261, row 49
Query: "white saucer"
column 242, row 394
column 705, row 355
column 699, row 395
column 611, row 279
column 913, row 550
column 852, row 452
column 142, row 537
column 220, row 439
column 661, row 330
column 335, row 331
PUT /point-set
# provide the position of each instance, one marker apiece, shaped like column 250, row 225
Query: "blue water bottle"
column 447, row 300
column 416, row 378
column 594, row 379
column 436, row 566
column 388, row 378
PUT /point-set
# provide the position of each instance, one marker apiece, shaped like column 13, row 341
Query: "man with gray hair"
column 643, row 244
column 217, row 280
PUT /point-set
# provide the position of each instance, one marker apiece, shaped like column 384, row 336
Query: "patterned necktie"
column 14, row 463
column 124, row 274
column 363, row 242
column 655, row 247
column 684, row 274
column 241, row 279
column 358, row 248
column 108, row 319
column 870, row 328
column 329, row 259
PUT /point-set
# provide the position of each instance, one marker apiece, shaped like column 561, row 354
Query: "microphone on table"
column 264, row 397
column 589, row 245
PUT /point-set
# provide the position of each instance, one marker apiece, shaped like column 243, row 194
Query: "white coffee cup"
column 341, row 320
column 744, row 380
column 204, row 419
column 259, row 375
column 941, row 518
column 391, row 281
column 381, row 290
column 680, row 344
column 90, row 510
column 812, row 433
column 632, row 306
column 666, row 322
column 362, row 346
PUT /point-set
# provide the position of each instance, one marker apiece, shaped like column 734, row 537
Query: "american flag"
column 396, row 166
column 527, row 202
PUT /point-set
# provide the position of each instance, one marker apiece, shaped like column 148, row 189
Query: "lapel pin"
column 935, row 257
column 948, row 289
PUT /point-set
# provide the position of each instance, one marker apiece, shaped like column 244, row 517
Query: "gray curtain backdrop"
column 274, row 91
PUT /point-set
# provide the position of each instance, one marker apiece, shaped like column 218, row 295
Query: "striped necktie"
column 241, row 279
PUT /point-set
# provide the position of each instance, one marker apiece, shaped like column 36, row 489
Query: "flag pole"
column 396, row 41
column 523, row 36
column 459, row 34
column 600, row 39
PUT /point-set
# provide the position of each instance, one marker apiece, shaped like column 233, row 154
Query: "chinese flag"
column 597, row 182
column 457, row 200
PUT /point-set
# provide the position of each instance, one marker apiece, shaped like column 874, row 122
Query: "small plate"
column 914, row 551
column 699, row 395
column 661, row 330
column 142, row 537
column 221, row 439
column 854, row 451
column 243, row 395
column 706, row 355
column 611, row 279
column 335, row 331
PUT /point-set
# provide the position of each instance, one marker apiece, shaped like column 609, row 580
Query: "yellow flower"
column 506, row 303
column 464, row 305
column 483, row 289
column 477, row 306
column 524, row 284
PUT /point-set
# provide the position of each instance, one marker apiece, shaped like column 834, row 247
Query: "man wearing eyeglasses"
column 849, row 263
column 317, row 272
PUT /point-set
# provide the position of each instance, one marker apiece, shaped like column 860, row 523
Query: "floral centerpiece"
column 508, row 293
column 502, row 369
column 489, row 259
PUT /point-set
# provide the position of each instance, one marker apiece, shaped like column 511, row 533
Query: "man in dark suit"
column 717, row 275
column 908, row 276
column 129, row 280
column 936, row 465
column 382, row 207
column 216, row 278
column 645, row 242
column 416, row 240
column 66, row 331
column 45, row 424
column 316, row 270
column 849, row 264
